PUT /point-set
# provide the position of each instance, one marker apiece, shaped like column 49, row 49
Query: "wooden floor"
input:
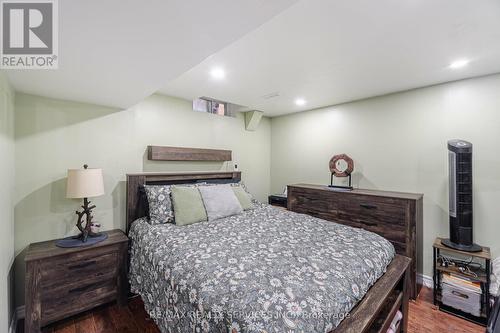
column 424, row 318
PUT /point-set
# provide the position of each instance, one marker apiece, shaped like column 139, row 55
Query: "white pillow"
column 220, row 201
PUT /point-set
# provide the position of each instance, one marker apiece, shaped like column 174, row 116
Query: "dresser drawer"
column 313, row 203
column 313, row 199
column 393, row 233
column 373, row 218
column 78, row 267
column 377, row 211
column 67, row 300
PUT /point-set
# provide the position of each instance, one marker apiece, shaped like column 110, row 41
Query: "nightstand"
column 456, row 264
column 279, row 200
column 61, row 282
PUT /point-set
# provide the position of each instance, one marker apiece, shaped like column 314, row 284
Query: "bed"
column 265, row 270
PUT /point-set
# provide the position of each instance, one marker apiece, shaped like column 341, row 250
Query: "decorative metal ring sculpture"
column 341, row 165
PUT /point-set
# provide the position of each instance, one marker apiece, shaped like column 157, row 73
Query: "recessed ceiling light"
column 218, row 73
column 459, row 63
column 300, row 101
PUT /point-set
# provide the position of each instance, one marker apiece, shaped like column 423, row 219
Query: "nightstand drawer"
column 67, row 270
column 71, row 299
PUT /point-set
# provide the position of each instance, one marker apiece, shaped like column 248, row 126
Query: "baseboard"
column 13, row 324
column 20, row 312
column 425, row 280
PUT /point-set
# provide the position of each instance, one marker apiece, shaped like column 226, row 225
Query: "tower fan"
column 460, row 177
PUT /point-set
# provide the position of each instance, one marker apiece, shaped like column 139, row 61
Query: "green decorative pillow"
column 243, row 197
column 188, row 205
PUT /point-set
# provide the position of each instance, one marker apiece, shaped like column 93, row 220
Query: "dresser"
column 61, row 282
column 396, row 216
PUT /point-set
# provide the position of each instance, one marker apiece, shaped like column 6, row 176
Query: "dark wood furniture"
column 278, row 200
column 137, row 205
column 372, row 314
column 61, row 282
column 380, row 304
column 483, row 277
column 158, row 153
column 393, row 215
column 423, row 317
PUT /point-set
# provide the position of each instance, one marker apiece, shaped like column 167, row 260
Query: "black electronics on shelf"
column 460, row 197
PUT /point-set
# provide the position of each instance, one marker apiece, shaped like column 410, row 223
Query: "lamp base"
column 76, row 241
column 82, row 237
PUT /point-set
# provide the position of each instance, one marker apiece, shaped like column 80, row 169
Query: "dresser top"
column 49, row 249
column 378, row 193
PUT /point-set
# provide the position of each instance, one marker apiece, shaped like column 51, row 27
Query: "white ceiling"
column 117, row 52
column 330, row 52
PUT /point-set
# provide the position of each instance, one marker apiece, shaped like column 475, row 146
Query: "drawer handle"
column 459, row 294
column 85, row 264
column 371, row 224
column 368, row 206
column 81, row 289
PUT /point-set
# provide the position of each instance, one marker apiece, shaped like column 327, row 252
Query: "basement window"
column 204, row 104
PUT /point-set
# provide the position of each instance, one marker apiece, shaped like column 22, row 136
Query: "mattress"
column 265, row 270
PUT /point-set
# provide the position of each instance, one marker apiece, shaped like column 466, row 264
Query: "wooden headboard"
column 137, row 205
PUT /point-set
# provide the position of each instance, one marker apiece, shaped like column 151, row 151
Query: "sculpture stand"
column 340, row 187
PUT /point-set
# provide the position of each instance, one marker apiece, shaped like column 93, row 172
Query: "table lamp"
column 84, row 184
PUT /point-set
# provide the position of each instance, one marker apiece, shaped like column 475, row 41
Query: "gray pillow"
column 220, row 201
column 160, row 205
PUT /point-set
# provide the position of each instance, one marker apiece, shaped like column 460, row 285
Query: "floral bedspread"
column 265, row 270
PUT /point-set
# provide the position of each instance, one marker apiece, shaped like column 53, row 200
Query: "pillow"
column 188, row 205
column 220, row 201
column 243, row 197
column 160, row 205
column 244, row 187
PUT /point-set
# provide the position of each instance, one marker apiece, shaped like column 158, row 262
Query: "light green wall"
column 398, row 142
column 54, row 135
column 6, row 200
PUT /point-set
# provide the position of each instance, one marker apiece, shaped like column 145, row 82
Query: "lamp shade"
column 84, row 183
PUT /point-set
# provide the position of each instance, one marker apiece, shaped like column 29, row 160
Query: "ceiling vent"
column 271, row 95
